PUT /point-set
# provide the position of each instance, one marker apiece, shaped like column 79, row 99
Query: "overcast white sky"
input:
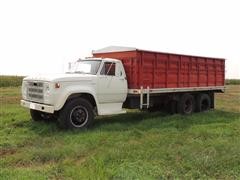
column 42, row 36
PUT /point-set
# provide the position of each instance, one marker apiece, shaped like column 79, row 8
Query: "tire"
column 76, row 114
column 41, row 116
column 186, row 104
column 203, row 103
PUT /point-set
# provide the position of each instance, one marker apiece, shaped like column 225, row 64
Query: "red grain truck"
column 182, row 83
column 118, row 77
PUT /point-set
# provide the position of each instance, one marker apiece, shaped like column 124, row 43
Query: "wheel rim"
column 79, row 116
column 188, row 106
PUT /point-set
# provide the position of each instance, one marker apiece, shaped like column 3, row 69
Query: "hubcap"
column 79, row 116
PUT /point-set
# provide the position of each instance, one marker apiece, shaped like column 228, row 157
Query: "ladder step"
column 142, row 97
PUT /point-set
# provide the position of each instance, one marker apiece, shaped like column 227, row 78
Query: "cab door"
column 112, row 83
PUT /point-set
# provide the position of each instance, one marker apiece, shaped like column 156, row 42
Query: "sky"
column 41, row 37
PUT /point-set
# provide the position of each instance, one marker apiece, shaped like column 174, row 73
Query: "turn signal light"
column 57, row 85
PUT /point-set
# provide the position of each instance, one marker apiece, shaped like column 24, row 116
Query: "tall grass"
column 10, row 81
column 137, row 145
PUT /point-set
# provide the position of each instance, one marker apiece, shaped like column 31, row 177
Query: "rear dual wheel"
column 186, row 104
column 203, row 102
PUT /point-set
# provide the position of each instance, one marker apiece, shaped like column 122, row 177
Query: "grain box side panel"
column 211, row 72
column 202, row 72
column 166, row 70
column 173, row 71
column 185, row 71
column 160, row 74
column 147, row 69
column 220, row 73
column 132, row 71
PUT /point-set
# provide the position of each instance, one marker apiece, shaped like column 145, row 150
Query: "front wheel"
column 76, row 114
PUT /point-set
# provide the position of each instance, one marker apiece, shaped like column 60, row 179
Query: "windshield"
column 84, row 67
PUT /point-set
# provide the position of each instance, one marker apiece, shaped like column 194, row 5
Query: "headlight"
column 47, row 89
column 24, row 89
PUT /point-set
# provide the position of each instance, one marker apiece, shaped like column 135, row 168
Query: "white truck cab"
column 93, row 86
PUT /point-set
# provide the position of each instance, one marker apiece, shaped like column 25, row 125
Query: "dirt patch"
column 34, row 165
column 5, row 152
column 9, row 100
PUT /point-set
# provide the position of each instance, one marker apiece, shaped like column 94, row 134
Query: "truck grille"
column 35, row 91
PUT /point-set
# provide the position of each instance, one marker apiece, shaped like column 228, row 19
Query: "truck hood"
column 60, row 77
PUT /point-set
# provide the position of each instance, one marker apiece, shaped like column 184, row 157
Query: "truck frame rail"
column 171, row 90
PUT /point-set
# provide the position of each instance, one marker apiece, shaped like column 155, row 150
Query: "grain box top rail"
column 111, row 49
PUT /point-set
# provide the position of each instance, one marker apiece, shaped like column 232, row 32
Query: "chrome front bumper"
column 37, row 106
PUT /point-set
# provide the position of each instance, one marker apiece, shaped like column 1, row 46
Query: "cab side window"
column 109, row 69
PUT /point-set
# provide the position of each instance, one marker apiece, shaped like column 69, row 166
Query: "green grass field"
column 137, row 145
column 10, row 81
column 232, row 81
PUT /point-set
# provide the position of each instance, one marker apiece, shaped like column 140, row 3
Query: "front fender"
column 62, row 96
